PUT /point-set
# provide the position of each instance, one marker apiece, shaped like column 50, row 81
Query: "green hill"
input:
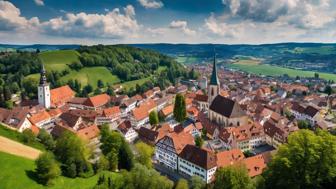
column 91, row 75
column 58, row 60
column 18, row 172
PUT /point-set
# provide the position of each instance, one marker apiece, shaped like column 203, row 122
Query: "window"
column 212, row 91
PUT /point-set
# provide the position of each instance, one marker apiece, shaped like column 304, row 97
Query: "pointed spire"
column 43, row 78
column 214, row 78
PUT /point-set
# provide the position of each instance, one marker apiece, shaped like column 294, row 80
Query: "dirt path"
column 16, row 148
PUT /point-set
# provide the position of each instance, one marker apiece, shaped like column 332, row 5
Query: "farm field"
column 90, row 75
column 58, row 60
column 269, row 70
column 18, row 172
column 16, row 136
column 16, row 148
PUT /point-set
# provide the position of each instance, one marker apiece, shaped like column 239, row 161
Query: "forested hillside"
column 88, row 70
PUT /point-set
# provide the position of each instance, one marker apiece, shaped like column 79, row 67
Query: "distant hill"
column 41, row 47
column 318, row 57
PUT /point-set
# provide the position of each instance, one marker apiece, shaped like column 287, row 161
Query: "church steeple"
column 214, row 86
column 43, row 78
column 44, row 90
column 214, row 78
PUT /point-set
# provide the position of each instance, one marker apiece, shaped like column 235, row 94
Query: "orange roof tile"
column 61, row 95
column 255, row 165
column 227, row 158
column 111, row 112
column 41, row 116
column 98, row 100
column 167, row 110
column 89, row 132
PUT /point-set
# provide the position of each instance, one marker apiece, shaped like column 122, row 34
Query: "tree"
column 110, row 91
column 232, row 177
column 28, row 136
column 308, row 160
column 303, row 124
column 145, row 154
column 125, row 157
column 112, row 158
column 182, row 184
column 180, row 112
column 316, row 75
column 153, row 118
column 197, row 183
column 73, row 155
column 46, row 139
column 140, row 177
column 100, row 83
column 114, row 142
column 102, row 164
column 47, row 168
column 328, row 90
column 199, row 141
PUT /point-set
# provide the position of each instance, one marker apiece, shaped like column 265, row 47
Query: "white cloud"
column 113, row 24
column 151, row 4
column 39, row 2
column 11, row 19
column 183, row 26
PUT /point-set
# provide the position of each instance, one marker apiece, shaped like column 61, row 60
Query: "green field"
column 14, row 135
column 91, row 75
column 187, row 59
column 129, row 84
column 269, row 70
column 58, row 60
column 17, row 172
column 325, row 50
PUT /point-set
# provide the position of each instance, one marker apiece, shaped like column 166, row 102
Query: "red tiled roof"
column 61, row 95
column 97, row 101
column 88, row 133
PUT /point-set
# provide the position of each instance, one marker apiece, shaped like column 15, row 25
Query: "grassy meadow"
column 17, row 172
column 90, row 75
column 58, row 60
column 270, row 70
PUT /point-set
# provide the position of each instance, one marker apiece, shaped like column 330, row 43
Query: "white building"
column 168, row 148
column 44, row 90
column 194, row 161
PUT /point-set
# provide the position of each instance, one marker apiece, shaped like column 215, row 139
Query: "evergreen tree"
column 180, row 112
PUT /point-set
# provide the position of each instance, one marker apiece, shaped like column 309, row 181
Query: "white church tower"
column 214, row 86
column 44, row 90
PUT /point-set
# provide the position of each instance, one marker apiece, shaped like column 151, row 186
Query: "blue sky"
column 168, row 21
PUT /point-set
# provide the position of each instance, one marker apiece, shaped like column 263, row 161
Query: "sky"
column 166, row 21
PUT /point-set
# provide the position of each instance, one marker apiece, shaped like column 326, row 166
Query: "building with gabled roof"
column 195, row 161
column 61, row 95
column 97, row 102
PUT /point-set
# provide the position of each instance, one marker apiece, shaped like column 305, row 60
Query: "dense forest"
column 128, row 63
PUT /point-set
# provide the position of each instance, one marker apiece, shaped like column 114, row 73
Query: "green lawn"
column 14, row 135
column 91, row 75
column 17, row 172
column 58, row 60
column 269, row 70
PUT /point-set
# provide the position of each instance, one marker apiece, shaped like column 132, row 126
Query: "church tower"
column 214, row 86
column 44, row 90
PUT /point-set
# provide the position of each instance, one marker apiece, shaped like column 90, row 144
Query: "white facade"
column 44, row 95
column 190, row 169
column 130, row 135
column 165, row 153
